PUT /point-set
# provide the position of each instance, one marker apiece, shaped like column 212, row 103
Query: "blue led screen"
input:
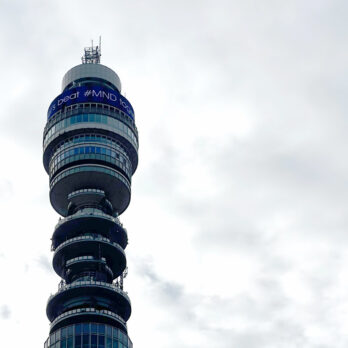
column 93, row 94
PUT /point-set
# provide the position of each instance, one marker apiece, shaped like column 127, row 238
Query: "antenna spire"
column 92, row 54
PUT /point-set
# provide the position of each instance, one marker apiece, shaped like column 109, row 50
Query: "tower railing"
column 85, row 238
column 89, row 310
column 89, row 212
column 63, row 287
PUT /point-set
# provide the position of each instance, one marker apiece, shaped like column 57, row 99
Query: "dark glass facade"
column 88, row 335
column 90, row 154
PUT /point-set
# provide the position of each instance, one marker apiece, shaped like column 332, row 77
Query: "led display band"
column 92, row 94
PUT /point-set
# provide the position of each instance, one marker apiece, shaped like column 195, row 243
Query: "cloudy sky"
column 238, row 224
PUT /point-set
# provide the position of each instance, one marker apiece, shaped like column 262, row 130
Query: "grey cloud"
column 265, row 314
column 5, row 312
column 6, row 190
column 260, row 181
column 45, row 264
column 169, row 293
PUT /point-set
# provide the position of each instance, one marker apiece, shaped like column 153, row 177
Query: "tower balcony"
column 74, row 251
column 89, row 220
column 78, row 267
column 80, row 294
column 88, row 314
column 93, row 176
column 78, row 255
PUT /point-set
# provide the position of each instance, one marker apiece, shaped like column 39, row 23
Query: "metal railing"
column 87, row 238
column 89, row 211
column 85, row 258
column 89, row 311
column 63, row 287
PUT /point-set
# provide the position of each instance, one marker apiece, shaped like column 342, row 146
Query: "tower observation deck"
column 90, row 152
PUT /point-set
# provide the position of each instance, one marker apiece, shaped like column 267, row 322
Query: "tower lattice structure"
column 90, row 146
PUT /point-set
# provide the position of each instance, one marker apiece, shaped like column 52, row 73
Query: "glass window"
column 123, row 337
column 109, row 331
column 108, row 342
column 94, row 328
column 94, row 341
column 63, row 344
column 52, row 338
column 85, row 341
column 64, row 332
column 78, row 329
column 70, row 343
column 78, row 341
column 57, row 335
column 101, row 329
column 101, row 341
column 86, row 328
column 70, row 330
column 114, row 344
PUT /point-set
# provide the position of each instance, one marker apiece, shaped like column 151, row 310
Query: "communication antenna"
column 92, row 54
column 100, row 44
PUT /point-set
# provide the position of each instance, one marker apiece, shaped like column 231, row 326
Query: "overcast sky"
column 237, row 225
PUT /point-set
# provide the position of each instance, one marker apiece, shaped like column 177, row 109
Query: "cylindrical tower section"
column 90, row 146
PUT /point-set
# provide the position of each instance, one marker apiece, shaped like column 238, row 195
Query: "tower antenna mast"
column 92, row 54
